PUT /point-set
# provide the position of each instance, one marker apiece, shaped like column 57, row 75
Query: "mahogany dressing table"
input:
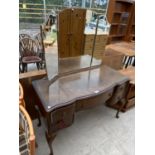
column 68, row 94
column 73, row 84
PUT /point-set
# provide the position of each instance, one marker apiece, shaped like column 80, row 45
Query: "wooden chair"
column 50, row 21
column 21, row 36
column 21, row 95
column 29, row 52
column 26, row 133
column 40, row 41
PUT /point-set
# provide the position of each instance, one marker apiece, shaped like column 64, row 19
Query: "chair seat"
column 31, row 59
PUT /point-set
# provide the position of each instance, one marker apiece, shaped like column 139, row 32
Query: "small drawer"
column 88, row 51
column 97, row 38
column 88, row 46
column 89, row 38
column 103, row 38
column 63, row 117
column 100, row 46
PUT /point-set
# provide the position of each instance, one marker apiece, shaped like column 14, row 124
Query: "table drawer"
column 93, row 101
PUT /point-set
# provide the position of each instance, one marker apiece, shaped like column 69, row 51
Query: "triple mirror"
column 79, row 37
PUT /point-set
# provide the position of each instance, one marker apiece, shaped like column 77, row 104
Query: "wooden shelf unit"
column 121, row 17
column 131, row 30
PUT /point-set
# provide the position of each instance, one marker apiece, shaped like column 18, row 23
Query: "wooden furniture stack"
column 121, row 17
column 131, row 30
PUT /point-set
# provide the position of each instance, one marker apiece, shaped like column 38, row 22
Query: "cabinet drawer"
column 100, row 46
column 103, row 39
column 99, row 38
column 88, row 46
column 89, row 38
column 63, row 117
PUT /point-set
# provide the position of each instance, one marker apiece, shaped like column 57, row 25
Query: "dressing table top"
column 69, row 88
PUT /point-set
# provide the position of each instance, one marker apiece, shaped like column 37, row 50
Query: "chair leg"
column 24, row 67
column 124, row 60
column 20, row 69
column 133, row 62
column 38, row 65
column 130, row 60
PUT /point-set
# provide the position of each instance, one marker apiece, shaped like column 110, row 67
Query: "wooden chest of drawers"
column 100, row 44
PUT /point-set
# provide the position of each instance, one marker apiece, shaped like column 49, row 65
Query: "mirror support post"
column 94, row 41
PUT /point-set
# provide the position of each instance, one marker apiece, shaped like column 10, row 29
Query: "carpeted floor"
column 94, row 132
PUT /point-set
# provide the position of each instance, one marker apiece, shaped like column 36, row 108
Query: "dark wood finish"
column 130, row 72
column 58, row 101
column 29, row 95
column 40, row 40
column 68, row 65
column 130, row 98
column 29, row 52
column 131, row 28
column 71, row 25
column 120, row 14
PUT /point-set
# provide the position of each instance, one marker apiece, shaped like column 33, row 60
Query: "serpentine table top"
column 67, row 89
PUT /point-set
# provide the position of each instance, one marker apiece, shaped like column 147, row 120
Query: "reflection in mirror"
column 96, row 33
column 78, row 40
column 71, row 26
column 51, row 52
